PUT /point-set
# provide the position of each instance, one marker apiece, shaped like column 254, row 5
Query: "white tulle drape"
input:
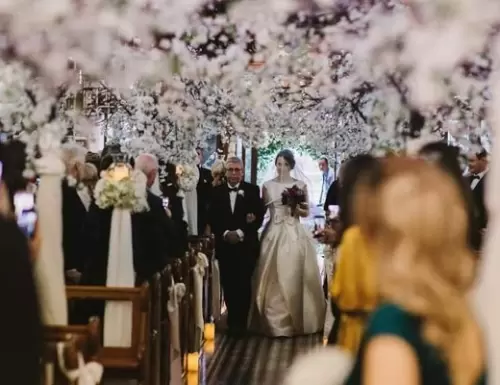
column 199, row 271
column 216, row 291
column 325, row 366
column 49, row 266
column 118, row 315
column 191, row 211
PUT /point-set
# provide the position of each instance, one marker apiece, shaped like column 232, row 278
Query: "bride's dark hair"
column 288, row 156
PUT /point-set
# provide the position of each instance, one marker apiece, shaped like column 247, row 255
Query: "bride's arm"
column 303, row 209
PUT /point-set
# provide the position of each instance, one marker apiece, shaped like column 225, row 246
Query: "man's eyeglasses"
column 234, row 170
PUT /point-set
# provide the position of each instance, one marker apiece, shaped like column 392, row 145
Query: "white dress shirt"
column 233, row 195
column 477, row 179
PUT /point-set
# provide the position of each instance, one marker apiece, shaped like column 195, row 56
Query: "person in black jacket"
column 170, row 190
column 20, row 325
column 447, row 157
column 74, row 211
column 203, row 189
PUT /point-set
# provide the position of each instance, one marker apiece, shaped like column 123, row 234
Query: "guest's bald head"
column 148, row 164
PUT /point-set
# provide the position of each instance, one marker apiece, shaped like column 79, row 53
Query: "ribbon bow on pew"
column 199, row 272
column 87, row 373
column 176, row 293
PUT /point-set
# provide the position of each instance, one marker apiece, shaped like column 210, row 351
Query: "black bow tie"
column 475, row 177
column 231, row 189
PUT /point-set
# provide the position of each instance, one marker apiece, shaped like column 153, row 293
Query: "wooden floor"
column 253, row 360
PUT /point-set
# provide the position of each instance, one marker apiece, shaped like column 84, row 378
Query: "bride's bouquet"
column 293, row 197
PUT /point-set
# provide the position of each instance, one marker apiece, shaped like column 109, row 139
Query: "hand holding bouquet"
column 293, row 197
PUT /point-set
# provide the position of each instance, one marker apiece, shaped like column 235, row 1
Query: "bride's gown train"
column 287, row 297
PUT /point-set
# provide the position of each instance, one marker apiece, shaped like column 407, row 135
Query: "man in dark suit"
column 236, row 213
column 203, row 190
column 478, row 169
column 333, row 194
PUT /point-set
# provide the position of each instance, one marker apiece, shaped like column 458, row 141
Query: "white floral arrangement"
column 127, row 193
column 188, row 177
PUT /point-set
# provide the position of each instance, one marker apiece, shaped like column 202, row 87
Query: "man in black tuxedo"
column 203, row 190
column 478, row 169
column 333, row 194
column 235, row 215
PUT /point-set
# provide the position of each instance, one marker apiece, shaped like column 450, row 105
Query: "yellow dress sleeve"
column 353, row 285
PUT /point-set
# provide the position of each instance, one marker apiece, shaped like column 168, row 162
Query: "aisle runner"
column 255, row 360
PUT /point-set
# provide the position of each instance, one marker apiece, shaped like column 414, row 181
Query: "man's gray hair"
column 234, row 159
column 146, row 163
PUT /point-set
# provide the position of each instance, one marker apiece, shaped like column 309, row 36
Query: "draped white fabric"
column 199, row 272
column 86, row 374
column 177, row 291
column 216, row 291
column 325, row 366
column 49, row 266
column 191, row 211
column 118, row 315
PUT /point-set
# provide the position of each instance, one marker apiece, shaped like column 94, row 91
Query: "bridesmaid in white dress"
column 288, row 298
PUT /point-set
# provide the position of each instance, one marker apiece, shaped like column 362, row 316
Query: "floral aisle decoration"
column 122, row 188
column 188, row 177
column 124, row 191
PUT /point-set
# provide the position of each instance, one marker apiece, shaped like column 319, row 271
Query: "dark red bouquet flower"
column 293, row 196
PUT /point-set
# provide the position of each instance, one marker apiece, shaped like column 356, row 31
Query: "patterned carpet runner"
column 254, row 360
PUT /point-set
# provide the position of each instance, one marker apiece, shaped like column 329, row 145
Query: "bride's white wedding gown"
column 287, row 297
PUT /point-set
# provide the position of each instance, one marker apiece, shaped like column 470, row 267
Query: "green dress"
column 390, row 319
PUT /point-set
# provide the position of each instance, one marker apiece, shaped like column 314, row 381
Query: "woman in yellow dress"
column 353, row 288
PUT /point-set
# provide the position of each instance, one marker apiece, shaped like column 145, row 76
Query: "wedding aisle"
column 253, row 360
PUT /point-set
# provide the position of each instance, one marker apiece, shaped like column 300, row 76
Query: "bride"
column 287, row 298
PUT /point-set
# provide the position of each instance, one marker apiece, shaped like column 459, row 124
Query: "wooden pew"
column 86, row 338
column 157, row 304
column 124, row 362
column 166, row 283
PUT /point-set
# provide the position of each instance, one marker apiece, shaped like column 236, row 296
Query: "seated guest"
column 73, row 207
column 170, row 190
column 86, row 188
column 21, row 346
column 13, row 159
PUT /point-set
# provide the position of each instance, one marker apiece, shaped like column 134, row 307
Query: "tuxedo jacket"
column 22, row 338
column 332, row 196
column 222, row 218
column 203, row 190
column 74, row 215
